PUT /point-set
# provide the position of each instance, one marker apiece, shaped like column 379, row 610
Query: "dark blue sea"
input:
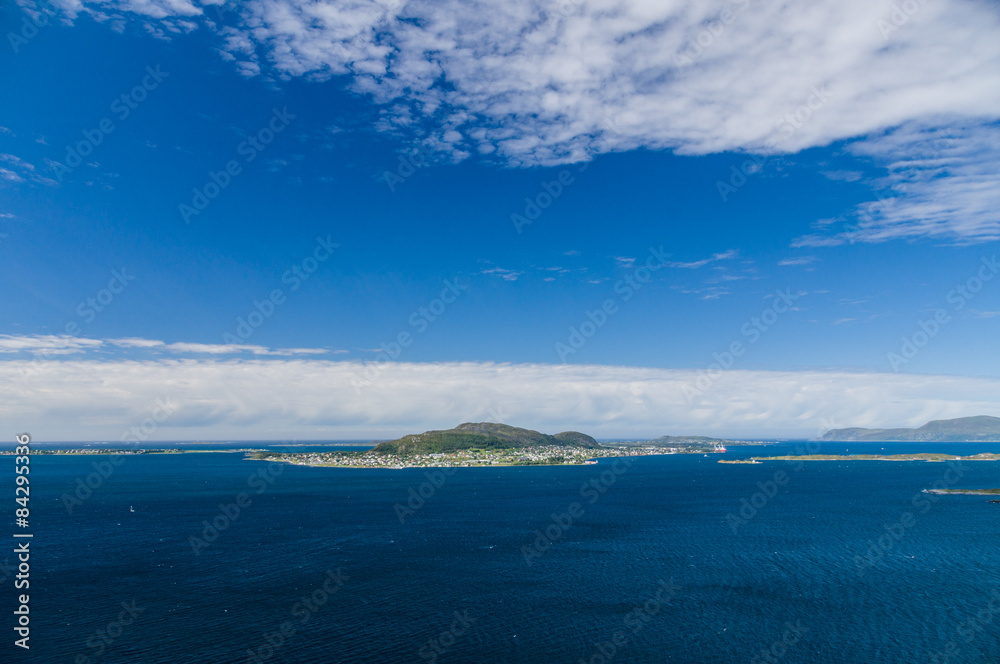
column 653, row 567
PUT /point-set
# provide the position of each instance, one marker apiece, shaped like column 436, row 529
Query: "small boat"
column 131, row 509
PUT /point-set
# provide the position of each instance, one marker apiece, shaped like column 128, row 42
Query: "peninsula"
column 979, row 429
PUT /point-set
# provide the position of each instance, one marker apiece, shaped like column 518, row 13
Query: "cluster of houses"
column 541, row 455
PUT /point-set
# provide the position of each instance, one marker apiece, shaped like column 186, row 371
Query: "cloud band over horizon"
column 320, row 399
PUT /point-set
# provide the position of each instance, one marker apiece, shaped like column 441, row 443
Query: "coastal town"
column 542, row 455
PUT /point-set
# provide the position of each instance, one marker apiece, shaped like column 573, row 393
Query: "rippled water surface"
column 650, row 570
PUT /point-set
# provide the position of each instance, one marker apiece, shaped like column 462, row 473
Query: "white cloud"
column 714, row 258
column 539, row 86
column 21, row 170
column 534, row 82
column 10, row 175
column 248, row 399
column 503, row 273
column 624, row 261
column 115, row 9
column 47, row 344
column 706, row 293
column 844, row 176
column 134, row 342
column 799, row 260
column 214, row 349
column 941, row 183
column 17, row 162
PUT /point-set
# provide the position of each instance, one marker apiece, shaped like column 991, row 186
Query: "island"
column 923, row 456
column 487, row 444
column 979, row 429
column 967, row 492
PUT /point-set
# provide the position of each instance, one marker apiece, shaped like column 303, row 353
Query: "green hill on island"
column 982, row 428
column 482, row 436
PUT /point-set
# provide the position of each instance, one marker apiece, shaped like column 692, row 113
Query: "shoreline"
column 928, row 457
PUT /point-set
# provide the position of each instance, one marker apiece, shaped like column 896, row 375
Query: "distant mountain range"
column 982, row 428
column 484, row 436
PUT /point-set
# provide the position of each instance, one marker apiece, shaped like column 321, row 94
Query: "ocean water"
column 649, row 570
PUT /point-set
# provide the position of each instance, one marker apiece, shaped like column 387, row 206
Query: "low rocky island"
column 487, row 444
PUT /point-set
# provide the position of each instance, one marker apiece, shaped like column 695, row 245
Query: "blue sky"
column 868, row 196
